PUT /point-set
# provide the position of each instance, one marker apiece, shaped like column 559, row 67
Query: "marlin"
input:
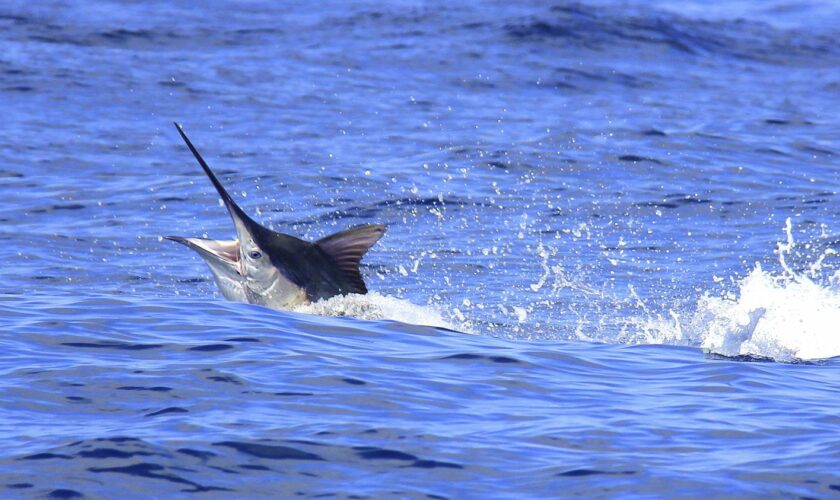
column 278, row 270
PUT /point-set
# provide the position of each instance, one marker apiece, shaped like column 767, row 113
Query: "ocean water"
column 611, row 267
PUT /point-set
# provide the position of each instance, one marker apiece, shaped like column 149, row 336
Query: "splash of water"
column 375, row 306
column 782, row 317
column 786, row 316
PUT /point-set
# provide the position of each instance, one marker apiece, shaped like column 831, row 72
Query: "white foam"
column 785, row 316
column 375, row 306
column 782, row 317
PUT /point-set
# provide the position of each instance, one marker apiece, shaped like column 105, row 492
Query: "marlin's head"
column 251, row 268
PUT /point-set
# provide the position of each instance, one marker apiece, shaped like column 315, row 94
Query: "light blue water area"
column 610, row 268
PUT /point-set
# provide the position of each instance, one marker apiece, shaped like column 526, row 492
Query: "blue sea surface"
column 611, row 266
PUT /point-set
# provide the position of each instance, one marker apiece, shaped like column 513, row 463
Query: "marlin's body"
column 277, row 270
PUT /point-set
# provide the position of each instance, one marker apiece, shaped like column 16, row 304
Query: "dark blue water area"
column 611, row 265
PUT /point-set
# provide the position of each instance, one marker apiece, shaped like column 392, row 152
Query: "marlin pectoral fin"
column 348, row 247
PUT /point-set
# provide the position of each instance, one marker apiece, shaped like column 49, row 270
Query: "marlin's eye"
column 254, row 255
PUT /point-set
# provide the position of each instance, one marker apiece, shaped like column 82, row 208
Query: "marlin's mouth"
column 224, row 252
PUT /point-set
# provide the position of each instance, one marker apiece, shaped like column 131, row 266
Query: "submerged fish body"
column 278, row 270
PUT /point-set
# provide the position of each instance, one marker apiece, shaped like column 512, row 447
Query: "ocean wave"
column 592, row 28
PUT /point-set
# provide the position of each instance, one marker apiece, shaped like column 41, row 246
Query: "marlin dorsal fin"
column 347, row 248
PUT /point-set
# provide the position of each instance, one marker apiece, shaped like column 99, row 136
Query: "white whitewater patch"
column 787, row 316
column 784, row 317
column 375, row 306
